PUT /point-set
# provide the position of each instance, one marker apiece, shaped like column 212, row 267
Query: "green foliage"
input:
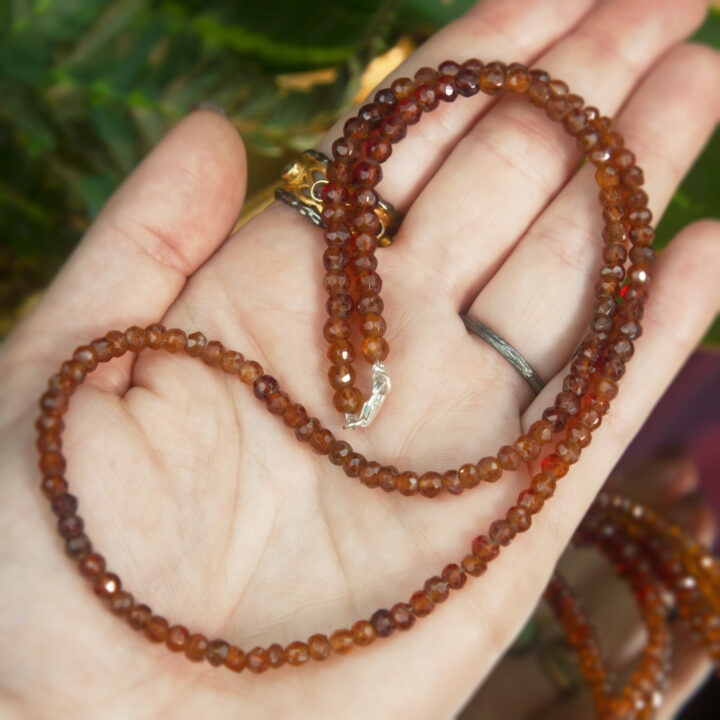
column 89, row 86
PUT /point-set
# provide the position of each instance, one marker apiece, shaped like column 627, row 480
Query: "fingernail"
column 210, row 105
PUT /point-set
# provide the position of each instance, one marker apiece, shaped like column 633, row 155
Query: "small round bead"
column 383, row 623
column 437, row 588
column 176, row 638
column 195, row 344
column 235, row 659
column 421, row 603
column 342, row 641
column 212, row 354
column 407, row 483
column 387, row 478
column 257, row 660
column 120, row 603
column 368, row 473
column 484, row 548
column 278, row 403
column 156, row 629
column 319, row 647
column 375, row 348
column 509, row 458
column 321, row 441
column 451, row 482
column 492, row 78
column 527, row 447
column 489, row 469
column 276, row 655
column 250, row 371
column 217, row 652
column 196, row 647
column 231, row 361
column 403, row 616
column 363, row 633
column 339, row 451
column 519, row 517
column 473, row 565
column 70, row 526
column 154, row 337
column 430, row 484
column 174, row 340
column 454, row 576
column 139, row 616
column 544, row 485
column 92, row 566
column 78, row 547
column 65, row 505
column 502, row 532
column 468, row 475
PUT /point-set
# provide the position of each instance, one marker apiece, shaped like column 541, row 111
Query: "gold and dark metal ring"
column 301, row 183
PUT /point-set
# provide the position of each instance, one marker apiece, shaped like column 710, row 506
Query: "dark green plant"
column 89, row 85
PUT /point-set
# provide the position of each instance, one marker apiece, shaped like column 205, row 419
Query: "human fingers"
column 511, row 164
column 557, row 259
column 494, row 28
column 163, row 222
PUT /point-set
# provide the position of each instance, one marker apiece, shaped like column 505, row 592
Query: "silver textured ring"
column 524, row 368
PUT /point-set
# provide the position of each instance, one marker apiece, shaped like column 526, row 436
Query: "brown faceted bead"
column 297, row 653
column 154, row 337
column 370, row 304
column 569, row 450
column 484, row 548
column 120, row 603
column 339, row 306
column 454, row 576
column 278, row 403
column 403, row 87
column 70, row 526
column 342, row 641
column 339, row 452
column 257, row 660
column 519, row 517
column 544, row 485
column 437, row 588
column 212, row 354
column 541, row 431
column 156, row 629
column 118, row 342
column 49, row 424
column 532, row 501
column 407, row 483
column 356, row 128
column 276, row 655
column 468, row 475
column 451, row 482
column 367, row 174
column 430, row 484
column 509, row 458
column 174, row 340
column 368, row 473
column 421, row 603
column 304, row 432
column 351, row 464
column 135, row 339
column 103, row 348
column 176, row 638
column 139, row 616
column 52, row 463
column 363, row 633
column 265, row 386
column 336, row 328
column 568, row 402
column 78, row 547
column 235, row 659
column 49, row 443
column 195, row 344
column 231, row 361
column 196, row 647
column 409, row 111
column 372, row 325
column 106, row 585
column 467, row 81
column 426, row 97
column 375, row 348
column 92, row 566
column 65, row 505
column 446, row 88
column 341, row 376
column 383, row 623
column 345, row 149
column 387, row 477
column 517, row 78
column 527, row 447
column 489, row 469
column 502, row 532
column 492, row 78
column 295, row 416
column 319, row 647
column 403, row 616
column 473, row 565
column 341, row 352
column 250, row 371
column 217, row 652
column 53, row 402
column 425, row 75
column 321, row 441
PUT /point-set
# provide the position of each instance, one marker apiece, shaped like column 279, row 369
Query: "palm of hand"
column 207, row 506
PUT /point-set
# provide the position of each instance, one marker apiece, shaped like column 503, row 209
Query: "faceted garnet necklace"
column 653, row 556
